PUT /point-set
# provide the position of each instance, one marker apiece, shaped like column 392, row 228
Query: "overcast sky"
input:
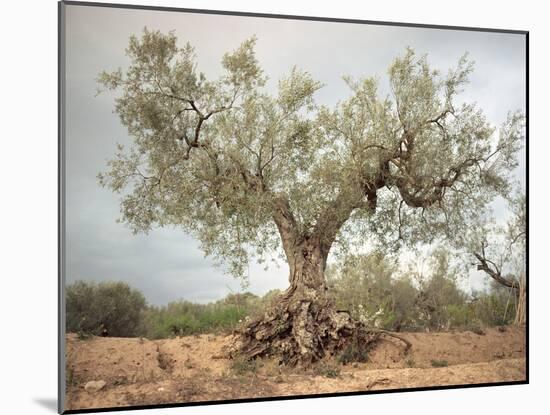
column 167, row 264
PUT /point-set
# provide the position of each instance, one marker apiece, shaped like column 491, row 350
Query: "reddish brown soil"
column 144, row 372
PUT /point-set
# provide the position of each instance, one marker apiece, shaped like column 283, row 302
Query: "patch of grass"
column 190, row 388
column 242, row 366
column 84, row 335
column 332, row 373
column 410, row 363
column 272, row 368
column 327, row 369
column 439, row 363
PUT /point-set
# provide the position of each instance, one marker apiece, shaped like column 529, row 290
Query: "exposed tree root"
column 304, row 327
column 408, row 344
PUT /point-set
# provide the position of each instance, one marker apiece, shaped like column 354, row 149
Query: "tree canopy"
column 247, row 172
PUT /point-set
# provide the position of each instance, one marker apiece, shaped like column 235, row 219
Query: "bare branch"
column 484, row 265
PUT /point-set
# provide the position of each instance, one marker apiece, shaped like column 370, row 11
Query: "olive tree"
column 248, row 172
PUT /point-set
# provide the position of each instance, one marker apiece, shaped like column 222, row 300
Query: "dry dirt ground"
column 144, row 372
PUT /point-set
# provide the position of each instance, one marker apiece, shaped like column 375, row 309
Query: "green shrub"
column 439, row 363
column 327, row 369
column 182, row 318
column 111, row 306
column 242, row 366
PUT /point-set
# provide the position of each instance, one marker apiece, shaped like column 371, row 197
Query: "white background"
column 28, row 206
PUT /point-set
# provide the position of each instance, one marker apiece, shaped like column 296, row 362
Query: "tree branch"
column 494, row 273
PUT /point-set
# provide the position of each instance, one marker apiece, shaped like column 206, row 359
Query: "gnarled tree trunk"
column 303, row 325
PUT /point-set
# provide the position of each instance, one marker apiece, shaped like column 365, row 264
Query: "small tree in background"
column 375, row 290
column 439, row 293
column 111, row 306
column 366, row 286
column 360, row 278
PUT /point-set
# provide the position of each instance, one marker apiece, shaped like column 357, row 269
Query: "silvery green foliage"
column 217, row 157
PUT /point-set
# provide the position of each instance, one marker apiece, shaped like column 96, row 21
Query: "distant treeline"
column 369, row 287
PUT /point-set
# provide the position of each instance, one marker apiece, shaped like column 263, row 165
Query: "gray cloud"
column 167, row 264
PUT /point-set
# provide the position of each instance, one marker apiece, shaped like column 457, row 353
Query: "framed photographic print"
column 259, row 207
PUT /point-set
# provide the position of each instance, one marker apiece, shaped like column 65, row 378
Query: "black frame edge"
column 291, row 397
column 290, row 17
column 527, row 277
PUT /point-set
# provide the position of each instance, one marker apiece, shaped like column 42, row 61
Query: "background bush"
column 115, row 306
column 124, row 313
